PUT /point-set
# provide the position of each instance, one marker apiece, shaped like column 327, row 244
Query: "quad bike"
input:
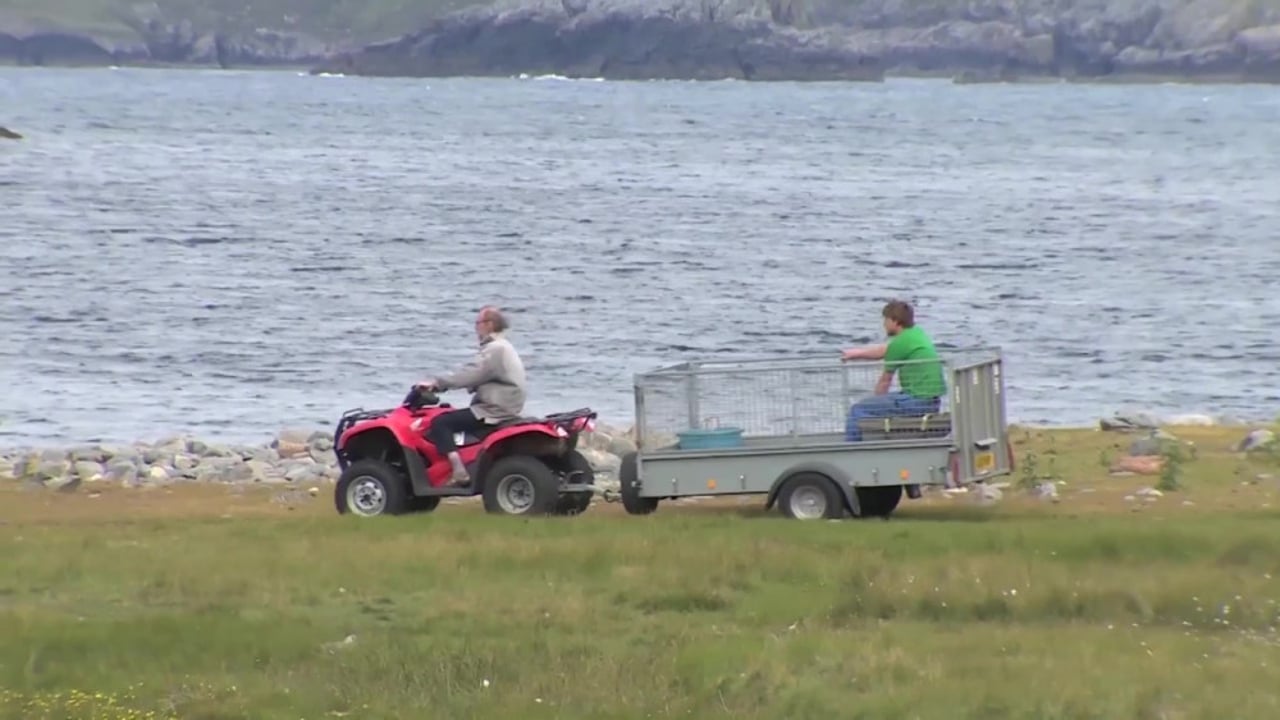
column 526, row 466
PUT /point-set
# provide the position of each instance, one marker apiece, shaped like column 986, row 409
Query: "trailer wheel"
column 632, row 502
column 810, row 496
column 879, row 500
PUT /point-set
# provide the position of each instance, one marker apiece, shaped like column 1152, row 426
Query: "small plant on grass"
column 1171, row 468
column 1028, row 479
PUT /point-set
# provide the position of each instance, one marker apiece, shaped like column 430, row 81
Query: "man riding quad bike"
column 407, row 458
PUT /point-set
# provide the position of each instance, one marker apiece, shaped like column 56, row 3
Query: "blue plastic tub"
column 710, row 438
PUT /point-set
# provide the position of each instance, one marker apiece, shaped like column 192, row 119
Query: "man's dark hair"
column 900, row 312
column 495, row 316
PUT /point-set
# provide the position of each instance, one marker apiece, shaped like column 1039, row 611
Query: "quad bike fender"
column 390, row 442
column 355, row 441
column 534, row 440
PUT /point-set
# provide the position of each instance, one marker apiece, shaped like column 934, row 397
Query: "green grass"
column 201, row 602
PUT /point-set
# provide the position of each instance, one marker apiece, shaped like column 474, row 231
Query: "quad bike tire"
column 369, row 488
column 579, row 470
column 632, row 502
column 521, row 485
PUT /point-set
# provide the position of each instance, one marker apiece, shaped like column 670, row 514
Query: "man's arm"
column 886, row 380
column 480, row 370
column 870, row 352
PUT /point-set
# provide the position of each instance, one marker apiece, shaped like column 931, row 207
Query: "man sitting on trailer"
column 921, row 383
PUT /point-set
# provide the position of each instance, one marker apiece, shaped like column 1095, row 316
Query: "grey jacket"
column 496, row 379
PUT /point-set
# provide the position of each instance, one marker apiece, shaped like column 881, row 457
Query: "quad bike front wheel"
column 521, row 485
column 369, row 488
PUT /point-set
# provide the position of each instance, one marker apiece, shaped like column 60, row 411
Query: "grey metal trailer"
column 779, row 427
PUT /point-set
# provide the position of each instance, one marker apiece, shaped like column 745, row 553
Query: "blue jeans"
column 894, row 404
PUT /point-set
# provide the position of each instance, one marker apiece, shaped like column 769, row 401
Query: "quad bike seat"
column 471, row 438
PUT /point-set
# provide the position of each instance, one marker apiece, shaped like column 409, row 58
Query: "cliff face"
column 701, row 39
column 149, row 37
column 837, row 39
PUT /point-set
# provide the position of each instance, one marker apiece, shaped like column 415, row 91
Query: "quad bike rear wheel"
column 577, row 470
column 521, row 485
column 369, row 488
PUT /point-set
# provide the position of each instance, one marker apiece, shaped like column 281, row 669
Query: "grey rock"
column 987, row 494
column 602, row 462
column 224, row 470
column 621, row 446
column 95, row 453
column 157, row 475
column 294, row 436
column 53, row 455
column 1046, row 491
column 1129, row 422
column 66, row 483
column 300, row 472
column 324, row 456
column 261, row 471
column 121, row 470
column 47, row 471
column 89, row 471
column 1257, row 440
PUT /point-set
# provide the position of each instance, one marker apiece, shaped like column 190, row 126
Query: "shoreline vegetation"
column 972, row 42
column 242, row 599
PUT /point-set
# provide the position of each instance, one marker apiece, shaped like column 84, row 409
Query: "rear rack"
column 571, row 415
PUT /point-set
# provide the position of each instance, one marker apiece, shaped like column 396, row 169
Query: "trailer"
column 782, row 427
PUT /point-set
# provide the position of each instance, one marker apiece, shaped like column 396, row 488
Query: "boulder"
column 1256, row 440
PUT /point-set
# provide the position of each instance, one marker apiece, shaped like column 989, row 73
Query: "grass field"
column 211, row 602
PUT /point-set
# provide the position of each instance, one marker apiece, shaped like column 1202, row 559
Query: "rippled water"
column 225, row 253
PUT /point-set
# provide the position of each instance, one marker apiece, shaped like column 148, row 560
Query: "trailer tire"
column 810, row 496
column 878, row 500
column 632, row 502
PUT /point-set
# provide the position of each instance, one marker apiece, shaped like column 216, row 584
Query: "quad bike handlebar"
column 418, row 397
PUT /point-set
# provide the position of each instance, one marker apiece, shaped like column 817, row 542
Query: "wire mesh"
column 792, row 397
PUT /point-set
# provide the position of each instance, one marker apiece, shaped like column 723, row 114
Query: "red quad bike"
column 526, row 466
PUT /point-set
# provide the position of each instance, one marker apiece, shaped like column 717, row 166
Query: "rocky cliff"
column 147, row 36
column 699, row 39
column 839, row 39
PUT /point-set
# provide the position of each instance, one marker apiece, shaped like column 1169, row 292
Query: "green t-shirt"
column 919, row 379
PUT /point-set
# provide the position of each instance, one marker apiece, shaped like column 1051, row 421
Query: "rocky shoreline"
column 293, row 457
column 305, row 458
column 780, row 40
